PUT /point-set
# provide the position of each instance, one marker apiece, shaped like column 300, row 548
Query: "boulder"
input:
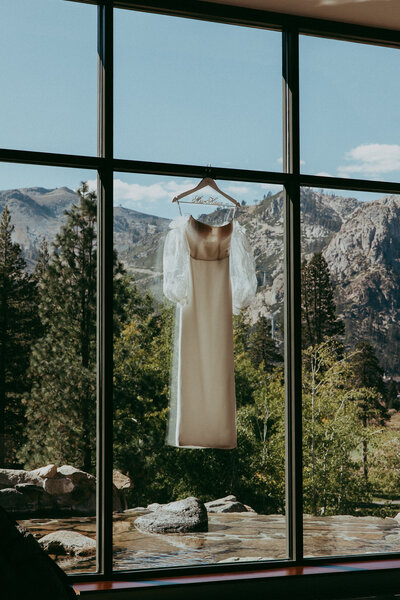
column 68, row 542
column 58, row 486
column 229, row 504
column 182, row 516
column 12, row 500
column 121, row 481
column 36, row 498
column 397, row 517
column 73, row 490
column 10, row 477
column 26, row 499
column 65, row 490
column 46, row 472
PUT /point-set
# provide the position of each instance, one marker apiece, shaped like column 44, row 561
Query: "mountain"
column 359, row 240
column 361, row 244
column 38, row 213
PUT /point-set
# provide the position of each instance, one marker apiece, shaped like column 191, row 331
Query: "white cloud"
column 271, row 187
column 323, row 174
column 371, row 160
column 134, row 195
column 141, row 197
column 239, row 190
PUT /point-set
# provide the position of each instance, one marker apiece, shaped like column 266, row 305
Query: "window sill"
column 333, row 580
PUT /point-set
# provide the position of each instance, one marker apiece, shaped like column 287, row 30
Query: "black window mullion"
column 291, row 163
column 105, row 293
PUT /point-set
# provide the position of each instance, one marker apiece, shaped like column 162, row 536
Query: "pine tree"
column 367, row 373
column 19, row 325
column 319, row 318
column 61, row 408
column 262, row 348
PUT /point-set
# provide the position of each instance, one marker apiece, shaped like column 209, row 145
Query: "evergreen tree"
column 19, row 325
column 368, row 374
column 61, row 408
column 319, row 318
column 262, row 348
column 392, row 391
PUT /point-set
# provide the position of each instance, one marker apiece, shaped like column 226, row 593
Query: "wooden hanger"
column 206, row 181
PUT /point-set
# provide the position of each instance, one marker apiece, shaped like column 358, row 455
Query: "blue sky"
column 190, row 92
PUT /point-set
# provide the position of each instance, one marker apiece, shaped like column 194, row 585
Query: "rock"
column 73, row 490
column 10, row 477
column 58, row 486
column 36, row 498
column 68, row 542
column 12, row 500
column 121, row 481
column 229, row 504
column 397, row 517
column 182, row 516
column 26, row 499
column 46, row 472
column 65, row 490
column 153, row 506
column 76, row 475
column 137, row 509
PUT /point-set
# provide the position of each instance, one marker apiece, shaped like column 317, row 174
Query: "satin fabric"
column 205, row 386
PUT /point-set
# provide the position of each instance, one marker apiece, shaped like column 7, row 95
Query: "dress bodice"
column 208, row 242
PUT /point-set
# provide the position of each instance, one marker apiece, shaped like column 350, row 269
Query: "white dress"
column 209, row 273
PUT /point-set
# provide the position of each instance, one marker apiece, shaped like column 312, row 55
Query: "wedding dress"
column 209, row 273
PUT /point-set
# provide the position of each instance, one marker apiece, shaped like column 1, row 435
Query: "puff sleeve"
column 242, row 270
column 176, row 263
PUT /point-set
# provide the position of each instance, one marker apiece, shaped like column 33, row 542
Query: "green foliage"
column 261, row 347
column 317, row 302
column 63, row 363
column 19, row 326
column 384, row 462
column 332, row 433
column 141, row 377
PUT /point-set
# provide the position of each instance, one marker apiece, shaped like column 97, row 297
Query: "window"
column 300, row 350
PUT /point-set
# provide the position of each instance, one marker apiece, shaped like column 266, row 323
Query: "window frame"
column 290, row 178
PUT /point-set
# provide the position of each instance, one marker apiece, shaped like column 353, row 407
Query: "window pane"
column 151, row 364
column 48, row 357
column 49, row 76
column 351, row 394
column 197, row 93
column 350, row 123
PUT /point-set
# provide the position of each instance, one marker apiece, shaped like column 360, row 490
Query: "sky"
column 189, row 92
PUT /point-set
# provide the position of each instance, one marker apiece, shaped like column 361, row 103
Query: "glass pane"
column 48, row 358
column 351, row 393
column 349, row 112
column 197, row 93
column 156, row 354
column 48, row 54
